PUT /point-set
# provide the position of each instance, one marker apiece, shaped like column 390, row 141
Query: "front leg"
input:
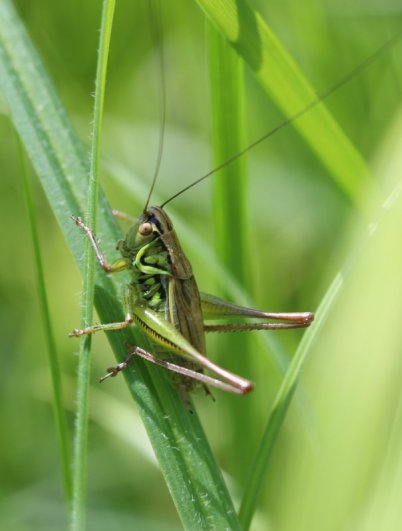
column 107, row 327
column 115, row 267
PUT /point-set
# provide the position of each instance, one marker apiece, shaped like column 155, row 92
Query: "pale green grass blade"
column 189, row 467
column 256, row 479
column 366, row 311
column 283, row 81
column 354, row 474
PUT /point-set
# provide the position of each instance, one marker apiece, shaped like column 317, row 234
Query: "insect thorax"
column 150, row 269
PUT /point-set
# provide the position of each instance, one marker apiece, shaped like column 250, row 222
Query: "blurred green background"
column 338, row 464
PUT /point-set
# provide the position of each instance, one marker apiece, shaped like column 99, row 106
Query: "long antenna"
column 157, row 35
column 319, row 99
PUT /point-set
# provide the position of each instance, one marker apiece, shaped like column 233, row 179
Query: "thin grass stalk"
column 84, row 365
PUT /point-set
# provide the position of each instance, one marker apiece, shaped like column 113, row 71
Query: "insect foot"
column 113, row 371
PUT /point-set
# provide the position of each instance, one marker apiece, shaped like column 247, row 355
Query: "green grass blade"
column 84, row 364
column 59, row 412
column 355, row 391
column 278, row 74
column 231, row 232
column 190, row 470
column 228, row 136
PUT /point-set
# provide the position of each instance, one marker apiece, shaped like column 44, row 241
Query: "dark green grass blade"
column 192, row 475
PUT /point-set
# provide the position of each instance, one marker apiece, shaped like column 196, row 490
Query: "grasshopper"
column 163, row 300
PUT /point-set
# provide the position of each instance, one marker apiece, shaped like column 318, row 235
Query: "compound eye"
column 145, row 229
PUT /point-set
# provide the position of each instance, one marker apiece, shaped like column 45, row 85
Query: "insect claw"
column 113, row 371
